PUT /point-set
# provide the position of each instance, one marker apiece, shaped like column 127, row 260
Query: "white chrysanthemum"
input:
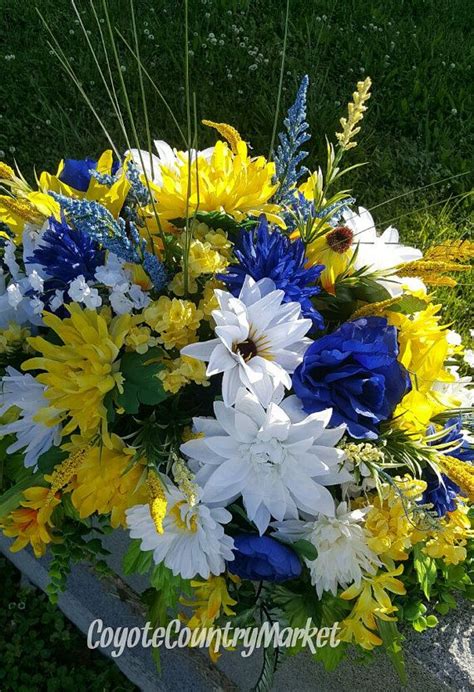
column 379, row 252
column 460, row 388
column 166, row 156
column 279, row 460
column 193, row 541
column 259, row 341
column 341, row 543
column 23, row 391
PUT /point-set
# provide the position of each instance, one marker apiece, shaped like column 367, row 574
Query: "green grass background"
column 418, row 130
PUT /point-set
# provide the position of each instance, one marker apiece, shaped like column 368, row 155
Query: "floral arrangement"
column 219, row 354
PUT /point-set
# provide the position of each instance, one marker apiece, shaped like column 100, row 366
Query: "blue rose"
column 263, row 558
column 77, row 173
column 440, row 492
column 355, row 372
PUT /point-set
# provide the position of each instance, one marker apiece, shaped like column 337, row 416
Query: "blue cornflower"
column 65, row 254
column 262, row 253
column 440, row 492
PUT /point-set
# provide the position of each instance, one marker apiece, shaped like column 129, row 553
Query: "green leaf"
column 136, row 560
column 141, row 385
column 407, row 304
column 370, row 291
column 305, row 549
column 270, row 661
column 392, row 640
column 330, row 656
column 425, row 568
column 48, row 460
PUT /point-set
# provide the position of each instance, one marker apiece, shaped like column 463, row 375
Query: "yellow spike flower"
column 233, row 184
column 108, row 481
column 31, row 523
column 175, row 321
column 156, row 499
column 65, row 471
column 227, row 131
column 356, row 110
column 451, row 251
column 82, row 369
column 433, row 271
column 460, row 472
column 184, row 480
column 6, row 171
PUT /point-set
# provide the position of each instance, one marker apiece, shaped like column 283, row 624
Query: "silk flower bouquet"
column 220, row 354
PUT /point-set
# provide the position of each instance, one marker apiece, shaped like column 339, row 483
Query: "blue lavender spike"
column 289, row 155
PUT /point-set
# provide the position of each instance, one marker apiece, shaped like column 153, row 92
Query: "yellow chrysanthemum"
column 388, row 523
column 31, row 523
column 448, row 543
column 424, row 348
column 234, row 184
column 182, row 371
column 13, row 338
column 372, row 602
column 175, row 321
column 111, row 197
column 82, row 370
column 107, row 481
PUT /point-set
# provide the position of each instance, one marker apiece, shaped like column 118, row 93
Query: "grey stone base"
column 437, row 660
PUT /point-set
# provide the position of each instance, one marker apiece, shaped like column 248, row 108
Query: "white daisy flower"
column 23, row 391
column 378, row 252
column 279, row 459
column 193, row 541
column 259, row 341
column 341, row 543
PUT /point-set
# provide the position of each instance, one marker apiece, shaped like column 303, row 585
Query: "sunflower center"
column 340, row 239
column 247, row 349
